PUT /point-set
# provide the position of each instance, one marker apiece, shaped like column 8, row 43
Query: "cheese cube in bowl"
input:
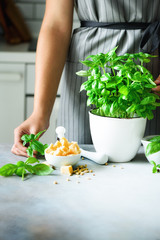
column 63, row 153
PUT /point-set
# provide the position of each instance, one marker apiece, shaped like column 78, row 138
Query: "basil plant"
column 119, row 86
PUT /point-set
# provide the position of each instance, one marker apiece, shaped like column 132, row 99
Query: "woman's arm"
column 52, row 48
column 51, row 54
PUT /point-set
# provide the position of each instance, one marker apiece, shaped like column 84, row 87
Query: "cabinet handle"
column 10, row 76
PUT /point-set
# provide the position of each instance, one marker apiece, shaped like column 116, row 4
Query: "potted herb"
column 119, row 88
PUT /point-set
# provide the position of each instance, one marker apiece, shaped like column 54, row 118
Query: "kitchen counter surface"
column 17, row 53
column 116, row 203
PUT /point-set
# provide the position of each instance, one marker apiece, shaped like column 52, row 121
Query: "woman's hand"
column 33, row 124
column 156, row 90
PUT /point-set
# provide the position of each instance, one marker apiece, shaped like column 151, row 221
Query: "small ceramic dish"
column 153, row 157
column 58, row 161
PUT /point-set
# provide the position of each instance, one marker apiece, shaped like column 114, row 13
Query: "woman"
column 52, row 51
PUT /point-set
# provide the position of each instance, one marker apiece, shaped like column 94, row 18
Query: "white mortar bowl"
column 119, row 138
column 59, row 161
column 153, row 157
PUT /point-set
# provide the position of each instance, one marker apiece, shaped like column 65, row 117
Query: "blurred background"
column 20, row 22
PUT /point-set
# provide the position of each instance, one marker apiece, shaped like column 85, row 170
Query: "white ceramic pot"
column 119, row 138
column 153, row 157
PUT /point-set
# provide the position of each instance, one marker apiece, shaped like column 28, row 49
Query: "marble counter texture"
column 115, row 204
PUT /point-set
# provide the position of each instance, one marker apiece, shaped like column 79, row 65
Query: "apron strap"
column 151, row 31
column 152, row 34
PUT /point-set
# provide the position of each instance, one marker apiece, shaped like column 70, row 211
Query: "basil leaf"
column 83, row 73
column 158, row 166
column 27, row 138
column 37, row 146
column 154, row 170
column 20, row 163
column 155, row 139
column 20, row 171
column 148, row 100
column 156, row 104
column 38, row 134
column 106, row 77
column 24, row 143
column 45, row 146
column 29, row 151
column 42, row 169
column 131, row 108
column 29, row 168
column 112, row 52
column 152, row 147
column 88, row 63
column 124, row 90
column 8, row 170
column 31, row 160
column 152, row 162
column 90, row 100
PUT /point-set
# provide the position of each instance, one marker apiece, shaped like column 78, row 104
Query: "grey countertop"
column 115, row 204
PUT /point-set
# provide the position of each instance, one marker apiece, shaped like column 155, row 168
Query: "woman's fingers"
column 18, row 147
column 157, row 81
column 16, row 150
column 158, row 78
column 21, row 152
column 157, row 88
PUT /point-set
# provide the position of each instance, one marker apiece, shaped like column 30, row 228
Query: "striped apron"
column 73, row 113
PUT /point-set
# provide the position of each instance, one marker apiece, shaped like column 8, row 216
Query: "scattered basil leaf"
column 8, row 169
column 31, row 160
column 20, row 164
column 21, row 168
column 20, row 171
column 155, row 167
column 29, row 168
column 42, row 169
column 154, row 170
column 152, row 162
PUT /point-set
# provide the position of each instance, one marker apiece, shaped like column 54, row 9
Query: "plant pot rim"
column 146, row 138
column 115, row 117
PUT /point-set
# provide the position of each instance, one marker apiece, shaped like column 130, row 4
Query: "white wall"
column 33, row 11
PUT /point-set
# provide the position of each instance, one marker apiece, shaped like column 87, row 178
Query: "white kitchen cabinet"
column 12, row 97
column 30, row 78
